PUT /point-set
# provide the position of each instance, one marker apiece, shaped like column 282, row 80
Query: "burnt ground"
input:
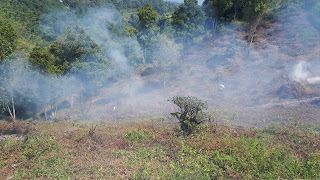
column 259, row 88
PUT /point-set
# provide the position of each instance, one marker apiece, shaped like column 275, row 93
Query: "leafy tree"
column 147, row 16
column 188, row 21
column 147, row 27
column 191, row 113
column 254, row 9
column 253, row 12
column 8, row 40
column 216, row 10
column 74, row 54
column 48, row 63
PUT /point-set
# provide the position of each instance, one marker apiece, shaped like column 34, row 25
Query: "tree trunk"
column 235, row 12
column 11, row 115
column 13, row 108
column 45, row 113
column 55, row 111
column 215, row 25
column 254, row 24
column 13, row 111
column 145, row 55
column 252, row 32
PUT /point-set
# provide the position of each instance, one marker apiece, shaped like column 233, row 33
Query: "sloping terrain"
column 259, row 87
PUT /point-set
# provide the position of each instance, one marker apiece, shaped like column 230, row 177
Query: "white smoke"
column 306, row 72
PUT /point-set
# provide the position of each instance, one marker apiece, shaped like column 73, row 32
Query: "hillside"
column 257, row 86
column 136, row 89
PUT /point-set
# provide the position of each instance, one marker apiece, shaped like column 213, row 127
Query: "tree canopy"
column 188, row 20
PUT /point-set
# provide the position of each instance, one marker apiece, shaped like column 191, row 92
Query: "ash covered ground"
column 278, row 81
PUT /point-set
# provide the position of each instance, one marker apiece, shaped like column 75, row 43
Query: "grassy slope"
column 147, row 150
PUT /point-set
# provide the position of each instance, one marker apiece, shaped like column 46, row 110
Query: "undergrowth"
column 159, row 152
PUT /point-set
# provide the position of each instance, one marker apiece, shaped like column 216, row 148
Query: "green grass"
column 137, row 135
column 149, row 151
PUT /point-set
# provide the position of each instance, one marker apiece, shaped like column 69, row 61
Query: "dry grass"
column 139, row 150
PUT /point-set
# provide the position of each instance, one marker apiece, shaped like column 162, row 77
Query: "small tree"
column 191, row 113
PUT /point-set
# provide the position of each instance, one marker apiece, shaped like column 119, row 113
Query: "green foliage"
column 154, row 152
column 253, row 9
column 76, row 46
column 187, row 163
column 247, row 10
column 191, row 163
column 148, row 30
column 50, row 64
column 36, row 145
column 25, row 15
column 54, row 167
column 137, row 135
column 253, row 159
column 160, row 6
column 188, row 21
column 8, row 40
column 217, row 8
column 8, row 146
column 147, row 16
column 73, row 53
column 191, row 113
column 242, row 158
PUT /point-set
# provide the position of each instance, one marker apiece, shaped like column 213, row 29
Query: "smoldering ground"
column 250, row 80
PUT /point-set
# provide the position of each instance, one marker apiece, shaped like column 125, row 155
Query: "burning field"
column 263, row 101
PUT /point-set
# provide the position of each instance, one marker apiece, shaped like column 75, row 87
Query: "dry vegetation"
column 149, row 150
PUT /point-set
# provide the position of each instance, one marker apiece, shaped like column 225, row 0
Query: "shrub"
column 191, row 113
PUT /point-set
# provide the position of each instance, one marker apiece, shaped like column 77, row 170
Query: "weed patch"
column 36, row 145
column 137, row 135
column 251, row 158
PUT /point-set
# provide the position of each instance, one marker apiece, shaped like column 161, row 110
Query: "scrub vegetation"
column 145, row 150
column 149, row 89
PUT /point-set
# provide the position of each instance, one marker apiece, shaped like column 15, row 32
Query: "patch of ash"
column 314, row 101
column 14, row 137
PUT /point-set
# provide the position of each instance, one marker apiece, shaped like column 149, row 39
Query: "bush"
column 191, row 113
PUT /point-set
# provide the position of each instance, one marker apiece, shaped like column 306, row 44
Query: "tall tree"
column 148, row 29
column 188, row 21
column 216, row 10
column 253, row 12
